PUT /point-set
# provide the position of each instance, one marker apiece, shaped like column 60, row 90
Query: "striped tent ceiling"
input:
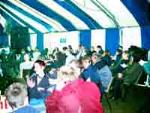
column 71, row 15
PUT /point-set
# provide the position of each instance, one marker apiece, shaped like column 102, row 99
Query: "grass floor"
column 131, row 104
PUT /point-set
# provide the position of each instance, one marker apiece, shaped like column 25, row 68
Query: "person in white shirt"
column 26, row 65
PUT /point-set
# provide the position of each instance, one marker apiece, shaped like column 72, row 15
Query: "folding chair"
column 146, row 82
column 137, row 83
column 106, row 94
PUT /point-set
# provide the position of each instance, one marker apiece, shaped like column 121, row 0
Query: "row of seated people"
column 128, row 69
column 122, row 66
column 70, row 95
column 93, row 69
column 39, row 83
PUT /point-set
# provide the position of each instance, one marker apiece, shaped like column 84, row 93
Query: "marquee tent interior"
column 53, row 23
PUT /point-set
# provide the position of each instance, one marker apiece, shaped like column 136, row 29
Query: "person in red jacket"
column 76, row 95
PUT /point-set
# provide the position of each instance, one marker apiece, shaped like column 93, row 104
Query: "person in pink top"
column 74, row 96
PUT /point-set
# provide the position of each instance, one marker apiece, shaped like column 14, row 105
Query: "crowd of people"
column 68, row 80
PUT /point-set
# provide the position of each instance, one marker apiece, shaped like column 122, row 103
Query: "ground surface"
column 131, row 104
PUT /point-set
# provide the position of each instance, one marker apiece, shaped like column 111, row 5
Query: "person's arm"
column 32, row 88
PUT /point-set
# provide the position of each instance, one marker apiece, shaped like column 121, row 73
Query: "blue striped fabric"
column 133, row 6
column 112, row 37
column 13, row 22
column 112, row 40
column 49, row 27
column 139, row 9
column 80, row 14
column 145, row 33
column 85, row 38
column 40, row 41
column 27, row 24
column 41, row 8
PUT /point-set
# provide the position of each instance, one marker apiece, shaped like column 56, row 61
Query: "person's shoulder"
column 27, row 109
column 81, row 85
column 89, row 84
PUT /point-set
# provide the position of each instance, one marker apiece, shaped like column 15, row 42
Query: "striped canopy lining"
column 68, row 15
column 86, row 18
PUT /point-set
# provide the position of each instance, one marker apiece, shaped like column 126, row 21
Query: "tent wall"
column 145, row 32
column 53, row 40
column 40, row 41
column 85, row 38
column 139, row 9
column 109, row 39
column 112, row 40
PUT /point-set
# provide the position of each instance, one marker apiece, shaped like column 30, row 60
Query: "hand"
column 30, row 83
column 40, row 89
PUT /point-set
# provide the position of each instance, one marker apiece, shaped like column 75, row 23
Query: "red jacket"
column 77, row 97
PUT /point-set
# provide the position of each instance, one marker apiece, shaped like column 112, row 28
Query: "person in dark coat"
column 38, row 86
column 38, row 82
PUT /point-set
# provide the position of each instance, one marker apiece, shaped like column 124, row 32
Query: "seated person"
column 73, row 95
column 121, row 62
column 131, row 73
column 130, row 76
column 102, row 69
column 118, row 69
column 89, row 73
column 17, row 97
column 107, row 57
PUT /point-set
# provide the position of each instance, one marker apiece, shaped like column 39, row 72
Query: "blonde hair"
column 67, row 73
column 16, row 94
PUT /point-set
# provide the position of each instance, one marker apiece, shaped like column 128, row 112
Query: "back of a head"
column 16, row 94
column 67, row 73
column 85, row 98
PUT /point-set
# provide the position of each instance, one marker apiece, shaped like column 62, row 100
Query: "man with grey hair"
column 17, row 97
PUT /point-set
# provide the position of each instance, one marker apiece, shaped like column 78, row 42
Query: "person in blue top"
column 17, row 97
column 89, row 73
column 102, row 69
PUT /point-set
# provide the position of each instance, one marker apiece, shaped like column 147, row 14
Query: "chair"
column 146, row 79
column 106, row 94
column 138, row 83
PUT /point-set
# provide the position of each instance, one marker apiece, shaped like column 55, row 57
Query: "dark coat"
column 34, row 92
